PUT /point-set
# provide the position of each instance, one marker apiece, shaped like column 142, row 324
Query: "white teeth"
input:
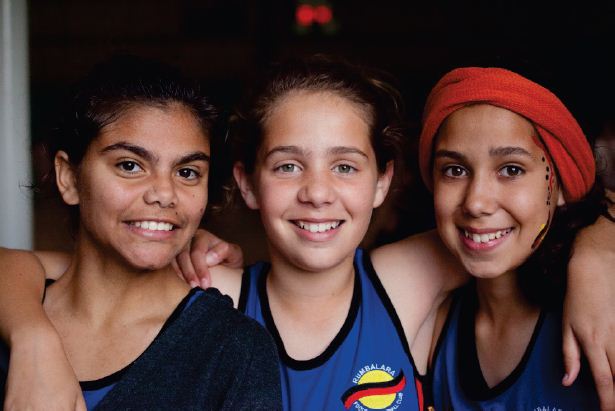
column 318, row 228
column 153, row 225
column 486, row 237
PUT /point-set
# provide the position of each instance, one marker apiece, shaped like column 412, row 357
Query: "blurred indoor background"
column 48, row 44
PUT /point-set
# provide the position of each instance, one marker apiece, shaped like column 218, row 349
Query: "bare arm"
column 589, row 322
column 33, row 340
column 22, row 282
column 55, row 263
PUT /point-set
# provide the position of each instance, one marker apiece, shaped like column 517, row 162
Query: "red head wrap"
column 563, row 138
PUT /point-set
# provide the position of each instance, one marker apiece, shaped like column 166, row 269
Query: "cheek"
column 99, row 196
column 530, row 205
column 275, row 196
column 195, row 204
column 445, row 197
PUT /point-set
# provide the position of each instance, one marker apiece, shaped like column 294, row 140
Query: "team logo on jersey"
column 377, row 387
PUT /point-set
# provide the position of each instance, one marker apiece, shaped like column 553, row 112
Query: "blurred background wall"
column 224, row 43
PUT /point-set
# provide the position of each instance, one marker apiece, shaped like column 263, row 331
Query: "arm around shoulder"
column 590, row 297
column 39, row 373
column 22, row 283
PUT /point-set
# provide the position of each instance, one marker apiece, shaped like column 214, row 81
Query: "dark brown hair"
column 368, row 89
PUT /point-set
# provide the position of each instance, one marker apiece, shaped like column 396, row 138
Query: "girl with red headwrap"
column 513, row 179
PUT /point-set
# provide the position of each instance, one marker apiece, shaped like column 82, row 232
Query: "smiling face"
column 315, row 181
column 494, row 189
column 141, row 186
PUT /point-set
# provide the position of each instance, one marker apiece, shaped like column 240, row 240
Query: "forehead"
column 484, row 125
column 316, row 117
column 172, row 128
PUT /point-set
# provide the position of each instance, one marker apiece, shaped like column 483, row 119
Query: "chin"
column 150, row 261
column 485, row 270
column 318, row 261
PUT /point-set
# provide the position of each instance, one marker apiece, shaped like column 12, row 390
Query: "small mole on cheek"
column 547, row 177
column 543, row 159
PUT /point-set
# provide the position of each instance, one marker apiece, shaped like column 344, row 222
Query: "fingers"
column 201, row 267
column 572, row 356
column 227, row 253
column 186, row 268
column 603, row 377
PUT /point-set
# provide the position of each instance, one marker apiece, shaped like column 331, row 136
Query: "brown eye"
column 129, row 166
column 511, row 171
column 454, row 171
column 188, row 173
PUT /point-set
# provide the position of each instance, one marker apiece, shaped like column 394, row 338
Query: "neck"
column 100, row 284
column 296, row 286
column 501, row 298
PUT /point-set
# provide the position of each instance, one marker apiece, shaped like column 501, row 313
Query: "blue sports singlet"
column 367, row 366
column 534, row 385
column 95, row 391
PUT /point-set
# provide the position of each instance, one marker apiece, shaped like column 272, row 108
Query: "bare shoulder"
column 417, row 273
column 420, row 255
column 227, row 280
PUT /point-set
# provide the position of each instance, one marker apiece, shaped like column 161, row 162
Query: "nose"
column 161, row 191
column 480, row 197
column 317, row 188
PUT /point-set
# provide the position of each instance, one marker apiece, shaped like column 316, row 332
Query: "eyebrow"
column 138, row 150
column 508, row 151
column 284, row 149
column 147, row 155
column 346, row 150
column 333, row 150
column 493, row 152
column 450, row 154
column 196, row 156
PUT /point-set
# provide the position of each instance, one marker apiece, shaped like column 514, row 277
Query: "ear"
column 66, row 178
column 244, row 182
column 383, row 184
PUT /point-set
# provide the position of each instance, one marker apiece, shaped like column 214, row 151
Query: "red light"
column 305, row 15
column 323, row 14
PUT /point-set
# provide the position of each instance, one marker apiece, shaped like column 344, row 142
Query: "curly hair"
column 542, row 277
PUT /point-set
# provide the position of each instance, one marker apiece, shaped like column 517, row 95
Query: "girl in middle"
column 315, row 155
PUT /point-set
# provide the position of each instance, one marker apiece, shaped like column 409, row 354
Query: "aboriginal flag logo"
column 376, row 389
